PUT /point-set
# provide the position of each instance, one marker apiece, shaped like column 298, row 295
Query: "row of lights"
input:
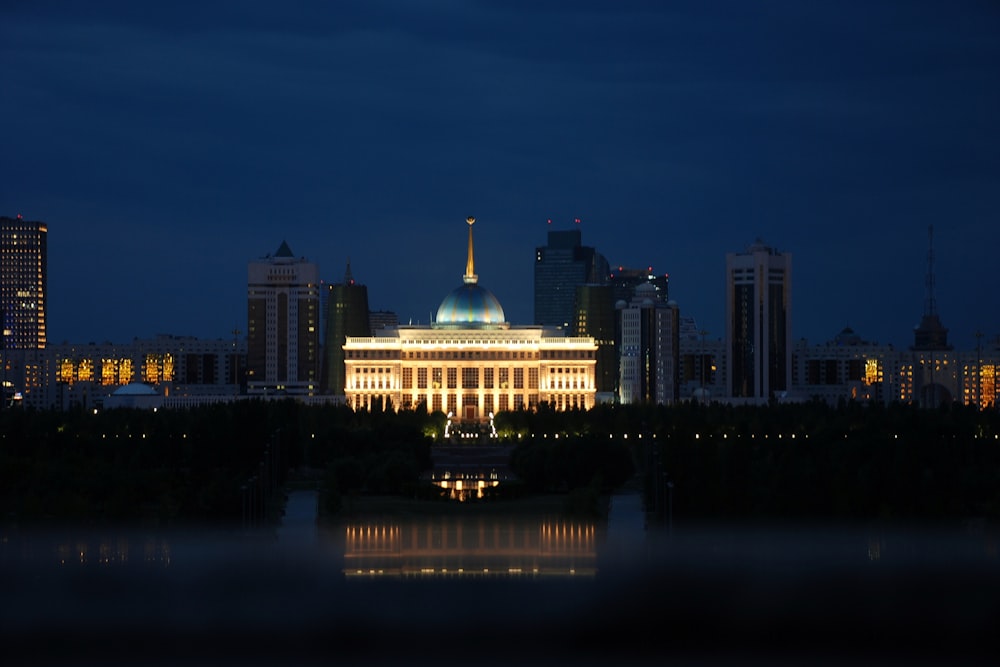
column 461, row 570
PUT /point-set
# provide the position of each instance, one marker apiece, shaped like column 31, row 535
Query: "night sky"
column 166, row 146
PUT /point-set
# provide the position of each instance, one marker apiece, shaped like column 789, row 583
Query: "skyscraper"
column 282, row 324
column 560, row 267
column 623, row 282
column 23, row 276
column 596, row 318
column 759, row 321
column 650, row 348
column 346, row 315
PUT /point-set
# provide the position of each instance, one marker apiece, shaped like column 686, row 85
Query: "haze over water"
column 532, row 590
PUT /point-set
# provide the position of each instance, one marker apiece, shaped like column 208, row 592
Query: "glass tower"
column 23, row 276
column 347, row 315
column 560, row 267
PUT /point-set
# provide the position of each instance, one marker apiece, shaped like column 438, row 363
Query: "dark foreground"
column 701, row 597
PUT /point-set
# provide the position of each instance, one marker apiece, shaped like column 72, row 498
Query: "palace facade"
column 470, row 362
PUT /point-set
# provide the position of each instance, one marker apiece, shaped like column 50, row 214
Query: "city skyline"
column 167, row 147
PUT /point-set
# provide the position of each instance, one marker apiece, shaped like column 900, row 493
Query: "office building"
column 847, row 367
column 347, row 315
column 596, row 315
column 624, row 280
column 597, row 318
column 702, row 363
column 470, row 363
column 382, row 319
column 282, row 324
column 177, row 368
column 650, row 348
column 759, row 322
column 560, row 267
column 23, row 276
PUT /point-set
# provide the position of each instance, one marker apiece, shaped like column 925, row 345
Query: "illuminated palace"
column 470, row 362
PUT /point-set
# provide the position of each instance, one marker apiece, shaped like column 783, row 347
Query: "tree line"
column 728, row 462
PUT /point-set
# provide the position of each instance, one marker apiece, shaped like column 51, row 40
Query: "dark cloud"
column 174, row 142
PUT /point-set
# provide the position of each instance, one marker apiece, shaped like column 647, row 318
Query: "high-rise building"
column 624, row 280
column 759, row 322
column 382, row 319
column 596, row 318
column 23, row 277
column 560, row 267
column 596, row 315
column 282, row 324
column 347, row 315
column 650, row 348
column 702, row 363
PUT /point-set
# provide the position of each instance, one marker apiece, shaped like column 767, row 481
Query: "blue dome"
column 468, row 305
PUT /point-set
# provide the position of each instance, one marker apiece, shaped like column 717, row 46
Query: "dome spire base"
column 471, row 305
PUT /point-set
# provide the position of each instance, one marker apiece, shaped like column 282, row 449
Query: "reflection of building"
column 759, row 322
column 470, row 362
column 347, row 315
column 560, row 267
column 282, row 324
column 23, row 269
column 650, row 348
column 467, row 485
column 483, row 547
column 468, row 473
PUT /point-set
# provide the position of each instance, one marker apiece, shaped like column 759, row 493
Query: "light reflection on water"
column 474, row 582
column 464, row 547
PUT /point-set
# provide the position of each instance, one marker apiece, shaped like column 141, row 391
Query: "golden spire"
column 470, row 276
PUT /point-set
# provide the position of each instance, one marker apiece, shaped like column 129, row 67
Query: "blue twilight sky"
column 167, row 144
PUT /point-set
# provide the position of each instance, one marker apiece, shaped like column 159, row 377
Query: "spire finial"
column 348, row 278
column 470, row 276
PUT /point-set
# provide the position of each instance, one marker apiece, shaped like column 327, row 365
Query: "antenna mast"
column 930, row 306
